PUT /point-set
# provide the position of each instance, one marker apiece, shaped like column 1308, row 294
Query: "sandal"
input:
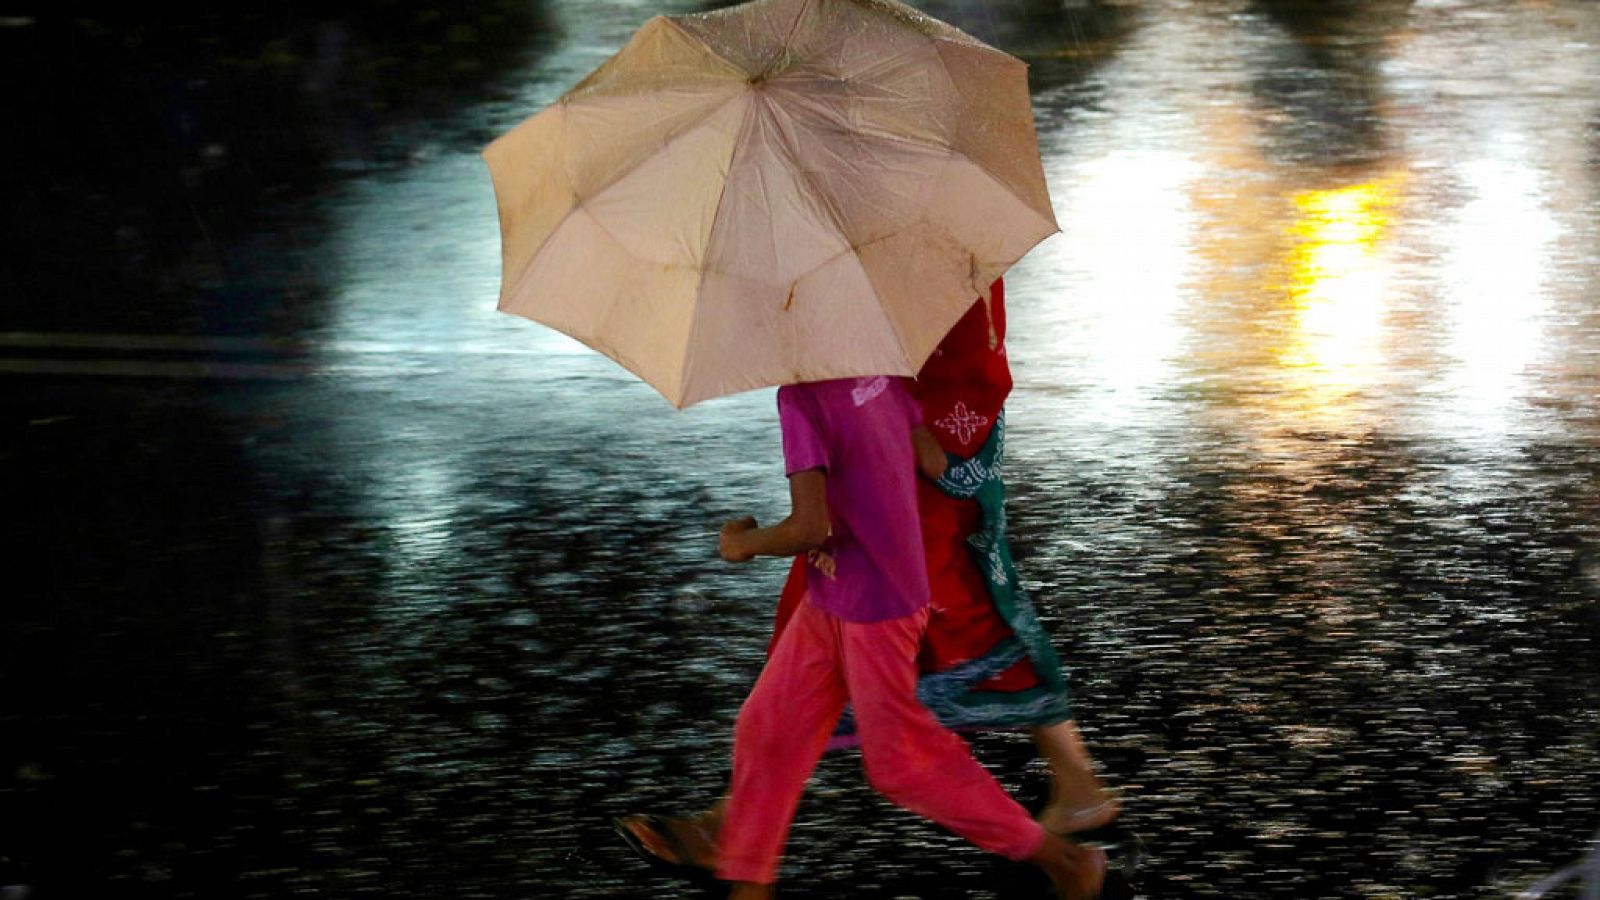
column 680, row 858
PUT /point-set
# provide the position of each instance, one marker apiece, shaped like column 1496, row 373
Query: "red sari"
column 961, row 388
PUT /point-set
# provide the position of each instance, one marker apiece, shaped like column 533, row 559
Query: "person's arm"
column 804, row 530
column 931, row 461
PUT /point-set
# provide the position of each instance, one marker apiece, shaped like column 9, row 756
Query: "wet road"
column 331, row 580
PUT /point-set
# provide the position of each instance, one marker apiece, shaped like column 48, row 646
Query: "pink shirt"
column 859, row 431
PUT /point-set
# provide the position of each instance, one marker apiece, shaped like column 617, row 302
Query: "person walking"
column 984, row 661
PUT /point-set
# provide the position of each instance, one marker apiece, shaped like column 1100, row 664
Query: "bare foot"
column 1080, row 814
column 749, row 890
column 1079, row 800
column 1075, row 871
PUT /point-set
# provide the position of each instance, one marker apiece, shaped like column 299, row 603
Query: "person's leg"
column 914, row 761
column 692, row 840
column 922, row 766
column 781, row 733
column 1079, row 801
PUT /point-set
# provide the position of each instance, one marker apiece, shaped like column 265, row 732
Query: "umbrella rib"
column 1007, row 188
column 581, row 202
column 800, row 173
column 855, row 249
column 1048, row 214
column 585, row 89
column 899, row 340
column 711, row 241
column 624, row 171
column 735, row 67
column 804, row 176
column 1011, row 189
column 793, row 28
column 951, row 75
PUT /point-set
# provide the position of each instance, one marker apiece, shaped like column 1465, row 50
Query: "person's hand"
column 931, row 461
column 732, row 548
column 823, row 561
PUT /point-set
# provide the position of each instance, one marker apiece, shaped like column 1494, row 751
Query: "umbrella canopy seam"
column 624, row 171
column 580, row 202
column 678, row 26
column 926, row 25
column 1007, row 59
column 783, row 48
column 711, row 241
column 844, row 233
column 587, row 87
column 1055, row 227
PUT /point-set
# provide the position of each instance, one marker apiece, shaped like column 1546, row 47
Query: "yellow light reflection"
column 1336, row 283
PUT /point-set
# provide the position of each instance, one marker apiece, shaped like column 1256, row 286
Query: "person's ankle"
column 708, row 822
column 1091, row 813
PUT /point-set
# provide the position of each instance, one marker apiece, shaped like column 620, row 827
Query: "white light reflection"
column 1127, row 265
column 1494, row 283
column 413, row 274
column 419, row 250
column 406, row 287
column 1136, row 265
column 419, row 506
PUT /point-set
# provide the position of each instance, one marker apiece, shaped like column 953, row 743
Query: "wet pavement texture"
column 327, row 579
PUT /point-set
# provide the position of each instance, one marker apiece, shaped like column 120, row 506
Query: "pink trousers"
column 821, row 663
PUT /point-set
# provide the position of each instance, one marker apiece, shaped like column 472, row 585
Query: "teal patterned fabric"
column 952, row 695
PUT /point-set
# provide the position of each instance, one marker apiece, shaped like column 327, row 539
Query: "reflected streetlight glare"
column 1128, row 272
column 1495, row 274
column 1336, row 288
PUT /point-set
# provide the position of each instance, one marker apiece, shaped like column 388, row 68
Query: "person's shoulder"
column 866, row 392
column 896, row 388
column 799, row 400
column 863, row 391
column 821, row 393
column 797, row 394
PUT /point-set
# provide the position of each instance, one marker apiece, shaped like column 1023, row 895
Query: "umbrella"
column 777, row 192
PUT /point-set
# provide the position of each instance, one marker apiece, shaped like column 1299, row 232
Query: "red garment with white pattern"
column 964, row 384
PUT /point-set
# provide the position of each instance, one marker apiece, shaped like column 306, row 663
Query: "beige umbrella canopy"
column 778, row 192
